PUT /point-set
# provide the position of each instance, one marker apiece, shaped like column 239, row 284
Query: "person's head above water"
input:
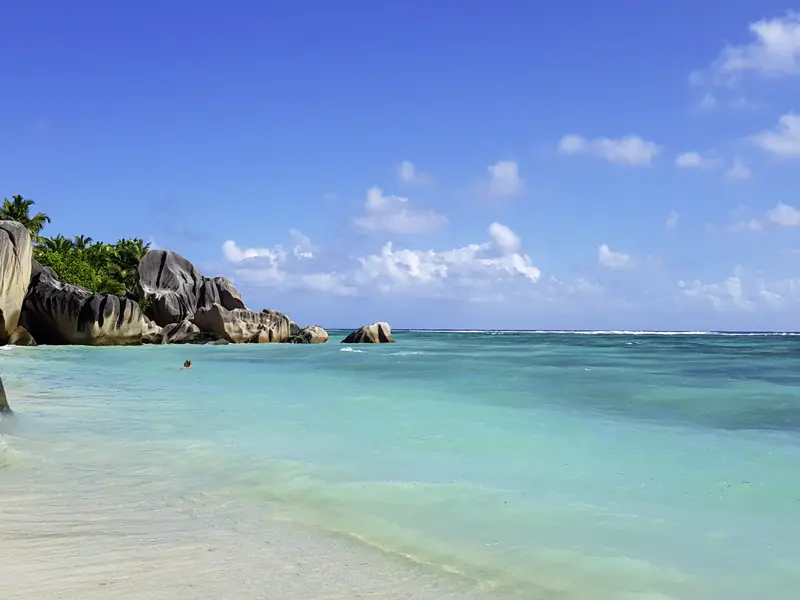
column 187, row 364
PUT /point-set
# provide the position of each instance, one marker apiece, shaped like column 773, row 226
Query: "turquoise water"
column 549, row 465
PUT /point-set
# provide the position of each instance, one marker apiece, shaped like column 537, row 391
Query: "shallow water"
column 549, row 465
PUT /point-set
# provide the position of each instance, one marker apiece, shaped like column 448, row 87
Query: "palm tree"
column 107, row 284
column 18, row 209
column 82, row 242
column 125, row 260
column 58, row 244
column 99, row 255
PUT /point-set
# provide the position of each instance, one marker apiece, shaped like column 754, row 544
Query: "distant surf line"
column 605, row 332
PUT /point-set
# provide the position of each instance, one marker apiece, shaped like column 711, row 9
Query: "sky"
column 513, row 164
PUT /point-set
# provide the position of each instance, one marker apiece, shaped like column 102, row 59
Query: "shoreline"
column 67, row 530
column 63, row 535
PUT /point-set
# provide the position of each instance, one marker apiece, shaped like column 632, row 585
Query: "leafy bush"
column 101, row 268
column 71, row 267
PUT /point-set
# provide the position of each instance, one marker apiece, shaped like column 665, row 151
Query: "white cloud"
column 277, row 268
column 506, row 240
column 784, row 140
column 746, row 225
column 784, row 215
column 729, row 293
column 302, row 244
column 629, row 150
column 693, row 160
column 672, row 221
column 609, row 259
column 708, row 101
column 773, row 52
column 475, row 272
column 392, row 214
column 504, row 179
column 741, row 291
column 573, row 144
column 472, row 267
column 233, row 253
column 738, row 171
column 407, row 172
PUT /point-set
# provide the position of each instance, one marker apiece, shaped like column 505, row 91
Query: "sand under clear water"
column 551, row 466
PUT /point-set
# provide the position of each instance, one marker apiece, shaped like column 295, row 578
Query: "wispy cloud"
column 629, row 150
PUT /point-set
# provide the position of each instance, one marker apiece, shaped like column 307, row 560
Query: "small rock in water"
column 377, row 333
column 4, row 407
column 21, row 337
column 313, row 334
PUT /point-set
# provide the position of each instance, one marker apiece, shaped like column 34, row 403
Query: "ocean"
column 542, row 465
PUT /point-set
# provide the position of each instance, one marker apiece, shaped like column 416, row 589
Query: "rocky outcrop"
column 15, row 274
column 242, row 326
column 4, row 407
column 377, row 333
column 21, row 337
column 313, row 334
column 55, row 312
column 151, row 332
column 176, row 289
column 185, row 332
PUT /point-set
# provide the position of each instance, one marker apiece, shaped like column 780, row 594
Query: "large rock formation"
column 241, row 325
column 185, row 332
column 55, row 312
column 313, row 334
column 176, row 289
column 377, row 333
column 15, row 274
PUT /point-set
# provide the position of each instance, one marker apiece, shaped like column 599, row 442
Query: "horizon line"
column 596, row 331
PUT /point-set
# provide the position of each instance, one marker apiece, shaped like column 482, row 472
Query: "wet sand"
column 59, row 541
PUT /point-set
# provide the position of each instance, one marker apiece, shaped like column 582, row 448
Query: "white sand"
column 60, row 539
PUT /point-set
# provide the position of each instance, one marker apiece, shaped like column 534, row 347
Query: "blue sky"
column 516, row 164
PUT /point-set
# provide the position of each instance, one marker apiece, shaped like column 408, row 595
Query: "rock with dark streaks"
column 313, row 334
column 186, row 332
column 55, row 312
column 15, row 274
column 377, row 333
column 176, row 289
column 241, row 326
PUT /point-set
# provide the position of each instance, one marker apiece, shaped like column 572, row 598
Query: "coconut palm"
column 58, row 244
column 124, row 264
column 18, row 209
column 82, row 241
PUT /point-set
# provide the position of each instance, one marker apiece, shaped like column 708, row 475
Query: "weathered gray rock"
column 377, row 333
column 55, row 312
column 186, row 332
column 21, row 337
column 242, row 326
column 4, row 407
column 313, row 334
column 176, row 289
column 15, row 274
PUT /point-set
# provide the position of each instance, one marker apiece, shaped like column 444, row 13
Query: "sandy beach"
column 60, row 541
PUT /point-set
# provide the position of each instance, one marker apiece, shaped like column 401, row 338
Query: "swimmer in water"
column 187, row 364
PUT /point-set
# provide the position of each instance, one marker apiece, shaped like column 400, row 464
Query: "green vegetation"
column 99, row 267
column 17, row 209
